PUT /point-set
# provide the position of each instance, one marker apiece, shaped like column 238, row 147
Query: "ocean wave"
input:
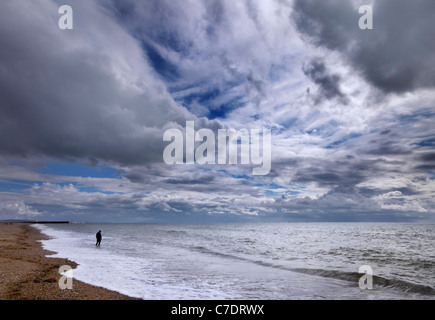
column 377, row 280
column 181, row 232
column 353, row 277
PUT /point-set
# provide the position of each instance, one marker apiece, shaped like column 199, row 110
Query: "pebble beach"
column 26, row 273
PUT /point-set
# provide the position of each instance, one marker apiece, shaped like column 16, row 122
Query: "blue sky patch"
column 79, row 170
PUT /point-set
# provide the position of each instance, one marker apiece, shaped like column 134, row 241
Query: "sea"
column 251, row 261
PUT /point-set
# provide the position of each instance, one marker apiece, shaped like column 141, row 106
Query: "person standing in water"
column 99, row 237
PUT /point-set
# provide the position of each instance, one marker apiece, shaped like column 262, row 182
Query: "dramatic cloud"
column 83, row 111
column 396, row 56
column 83, row 94
column 215, row 56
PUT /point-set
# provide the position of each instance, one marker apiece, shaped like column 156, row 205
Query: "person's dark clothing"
column 99, row 237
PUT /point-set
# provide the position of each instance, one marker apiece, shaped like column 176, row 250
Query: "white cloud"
column 17, row 209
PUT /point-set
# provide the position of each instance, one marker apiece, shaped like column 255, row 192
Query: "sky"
column 351, row 111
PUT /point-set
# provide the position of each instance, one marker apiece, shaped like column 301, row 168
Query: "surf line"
column 178, row 152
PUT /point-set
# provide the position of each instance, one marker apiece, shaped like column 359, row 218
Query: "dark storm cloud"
column 335, row 173
column 329, row 83
column 85, row 93
column 206, row 179
column 398, row 55
column 426, row 167
column 426, row 161
column 390, row 149
column 325, row 177
column 428, row 156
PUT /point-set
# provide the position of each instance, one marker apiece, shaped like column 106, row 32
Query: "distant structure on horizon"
column 32, row 221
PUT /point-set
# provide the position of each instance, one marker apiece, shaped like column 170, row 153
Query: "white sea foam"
column 132, row 276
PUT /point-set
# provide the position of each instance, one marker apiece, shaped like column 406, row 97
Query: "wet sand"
column 27, row 274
